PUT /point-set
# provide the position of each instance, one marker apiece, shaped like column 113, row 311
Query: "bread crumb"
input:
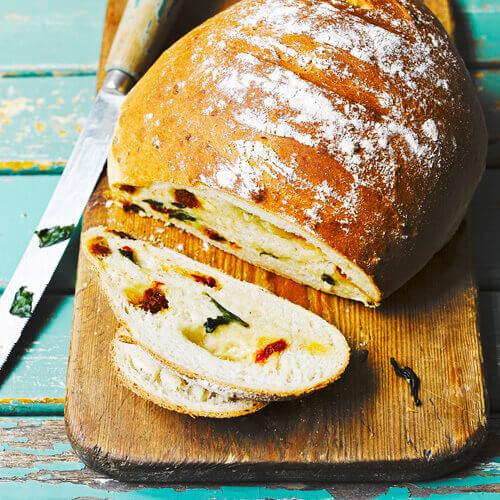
column 205, row 246
column 179, row 247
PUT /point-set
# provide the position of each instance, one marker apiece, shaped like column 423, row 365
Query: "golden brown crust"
column 263, row 396
column 125, row 381
column 357, row 121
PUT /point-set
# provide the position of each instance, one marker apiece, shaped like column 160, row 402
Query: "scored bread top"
column 354, row 120
column 208, row 326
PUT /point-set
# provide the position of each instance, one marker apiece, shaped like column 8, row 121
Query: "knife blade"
column 65, row 208
column 143, row 24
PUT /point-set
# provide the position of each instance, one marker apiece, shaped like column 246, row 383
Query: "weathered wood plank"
column 75, row 29
column 476, row 30
column 487, row 82
column 33, row 380
column 40, row 119
column 19, row 215
column 35, row 452
column 44, row 350
column 50, row 36
column 22, row 201
column 486, row 230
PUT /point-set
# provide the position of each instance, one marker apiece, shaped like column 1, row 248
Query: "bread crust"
column 359, row 124
column 165, row 403
column 206, row 382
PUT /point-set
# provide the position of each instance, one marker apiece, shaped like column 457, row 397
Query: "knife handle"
column 140, row 34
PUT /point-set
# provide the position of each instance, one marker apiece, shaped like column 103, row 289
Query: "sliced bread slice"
column 227, row 334
column 148, row 378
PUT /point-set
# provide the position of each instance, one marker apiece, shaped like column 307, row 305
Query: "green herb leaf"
column 227, row 317
column 410, row 376
column 180, row 215
column 22, row 303
column 172, row 213
column 52, row 235
column 156, row 205
column 269, row 254
column 328, row 279
column 128, row 253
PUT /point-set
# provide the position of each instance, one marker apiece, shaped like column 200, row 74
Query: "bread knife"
column 138, row 40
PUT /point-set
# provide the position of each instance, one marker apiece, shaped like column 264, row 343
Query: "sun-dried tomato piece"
column 128, row 188
column 205, row 280
column 154, row 299
column 186, row 199
column 213, row 235
column 262, row 355
column 98, row 246
column 337, row 268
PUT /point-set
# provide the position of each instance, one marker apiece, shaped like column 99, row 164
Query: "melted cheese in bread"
column 207, row 325
column 229, row 227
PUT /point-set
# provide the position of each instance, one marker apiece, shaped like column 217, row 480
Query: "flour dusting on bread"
column 341, row 121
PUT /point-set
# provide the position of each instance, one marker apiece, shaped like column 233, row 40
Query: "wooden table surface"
column 48, row 64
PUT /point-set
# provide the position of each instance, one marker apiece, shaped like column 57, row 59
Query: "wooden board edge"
column 122, row 468
column 422, row 469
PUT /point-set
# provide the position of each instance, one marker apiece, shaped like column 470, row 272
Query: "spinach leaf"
column 269, row 254
column 172, row 213
column 180, row 215
column 22, row 303
column 328, row 279
column 52, row 235
column 128, row 253
column 226, row 317
column 410, row 376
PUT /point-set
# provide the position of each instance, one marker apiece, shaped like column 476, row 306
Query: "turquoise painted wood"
column 50, row 36
column 22, row 201
column 487, row 83
column 23, row 198
column 40, row 119
column 34, row 378
column 477, row 31
column 43, row 459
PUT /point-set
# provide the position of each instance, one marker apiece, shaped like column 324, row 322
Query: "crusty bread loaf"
column 228, row 335
column 334, row 142
column 148, row 378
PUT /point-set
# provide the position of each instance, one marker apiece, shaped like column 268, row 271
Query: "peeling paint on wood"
column 36, row 465
column 477, row 34
column 487, row 83
column 50, row 36
column 22, row 201
column 34, row 377
column 40, row 118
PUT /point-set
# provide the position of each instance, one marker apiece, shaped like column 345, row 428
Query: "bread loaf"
column 337, row 143
column 148, row 378
column 230, row 336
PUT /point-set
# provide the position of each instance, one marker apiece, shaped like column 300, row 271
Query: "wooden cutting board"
column 363, row 428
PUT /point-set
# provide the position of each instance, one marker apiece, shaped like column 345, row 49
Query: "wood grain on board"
column 364, row 427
